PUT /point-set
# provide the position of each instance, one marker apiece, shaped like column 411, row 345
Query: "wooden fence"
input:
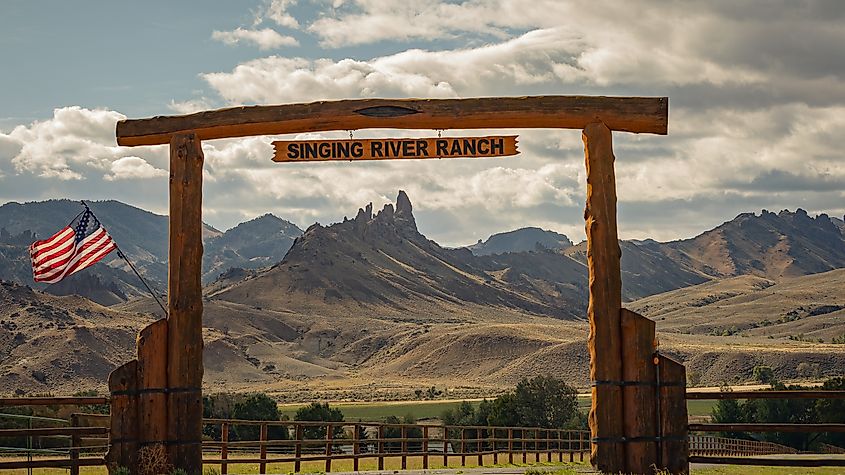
column 86, row 440
column 705, row 445
column 744, row 459
column 326, row 442
column 299, row 442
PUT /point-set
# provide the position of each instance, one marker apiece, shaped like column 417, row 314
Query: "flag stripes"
column 69, row 251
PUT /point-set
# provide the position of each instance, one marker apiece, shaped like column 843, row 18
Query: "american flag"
column 70, row 250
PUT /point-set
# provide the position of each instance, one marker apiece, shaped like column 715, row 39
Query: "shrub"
column 319, row 412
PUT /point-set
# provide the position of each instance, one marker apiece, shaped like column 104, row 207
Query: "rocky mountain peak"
column 405, row 212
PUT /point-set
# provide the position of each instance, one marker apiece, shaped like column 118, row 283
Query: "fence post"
column 297, row 463
column 463, row 447
column 581, row 445
column 560, row 446
column 329, row 437
column 493, row 446
column 523, row 446
column 75, row 442
column 381, row 447
column 224, row 448
column 510, row 445
column 674, row 448
column 536, row 445
column 548, row 445
column 479, row 446
column 262, row 450
column 425, row 447
column 356, row 449
column 403, row 446
column 445, row 446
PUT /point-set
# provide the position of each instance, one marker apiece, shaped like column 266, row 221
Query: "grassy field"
column 377, row 411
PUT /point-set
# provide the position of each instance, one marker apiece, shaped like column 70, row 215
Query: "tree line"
column 791, row 411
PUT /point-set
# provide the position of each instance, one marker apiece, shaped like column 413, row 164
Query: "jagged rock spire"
column 404, row 215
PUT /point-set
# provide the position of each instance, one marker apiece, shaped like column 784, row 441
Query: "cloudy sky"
column 757, row 104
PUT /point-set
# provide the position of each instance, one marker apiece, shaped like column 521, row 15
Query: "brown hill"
column 51, row 343
column 770, row 245
column 808, row 307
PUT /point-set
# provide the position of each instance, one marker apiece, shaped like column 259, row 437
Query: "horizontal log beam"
column 794, row 394
column 626, row 114
column 809, row 428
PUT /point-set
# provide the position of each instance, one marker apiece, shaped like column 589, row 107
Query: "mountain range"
column 142, row 236
column 371, row 304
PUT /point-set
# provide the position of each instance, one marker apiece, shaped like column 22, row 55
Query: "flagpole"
column 132, row 266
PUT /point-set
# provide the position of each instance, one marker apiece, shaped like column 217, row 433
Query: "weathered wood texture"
column 184, row 320
column 123, row 450
column 674, row 449
column 628, row 114
column 640, row 401
column 604, row 343
column 152, row 380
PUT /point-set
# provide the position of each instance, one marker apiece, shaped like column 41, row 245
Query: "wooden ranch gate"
column 638, row 414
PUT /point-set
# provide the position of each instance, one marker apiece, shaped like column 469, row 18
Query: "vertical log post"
column 674, row 446
column 381, row 447
column 297, row 463
column 640, row 421
column 425, row 447
column 123, row 432
column 510, row 446
column 522, row 444
column 356, row 446
column 493, row 445
column 329, row 437
column 152, row 381
column 445, row 447
column 403, row 446
column 463, row 447
column 224, row 448
column 262, row 450
column 184, row 300
column 536, row 445
column 479, row 446
column 605, row 341
column 75, row 442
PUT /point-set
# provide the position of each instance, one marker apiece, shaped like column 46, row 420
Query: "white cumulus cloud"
column 265, row 38
column 131, row 168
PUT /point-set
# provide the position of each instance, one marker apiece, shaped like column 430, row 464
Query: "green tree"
column 832, row 411
column 258, row 407
column 253, row 406
column 320, row 412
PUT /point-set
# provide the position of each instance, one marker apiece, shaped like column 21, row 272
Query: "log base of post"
column 139, row 406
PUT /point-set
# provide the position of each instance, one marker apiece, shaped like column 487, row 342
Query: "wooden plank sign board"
column 394, row 149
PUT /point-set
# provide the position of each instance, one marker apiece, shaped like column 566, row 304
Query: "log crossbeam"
column 625, row 114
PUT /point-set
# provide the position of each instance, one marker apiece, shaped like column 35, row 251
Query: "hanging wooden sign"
column 392, row 149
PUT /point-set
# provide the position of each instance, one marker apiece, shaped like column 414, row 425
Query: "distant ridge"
column 520, row 240
column 142, row 235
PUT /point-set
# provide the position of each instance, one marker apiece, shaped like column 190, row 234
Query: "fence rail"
column 300, row 442
column 78, row 435
column 713, row 455
column 326, row 442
